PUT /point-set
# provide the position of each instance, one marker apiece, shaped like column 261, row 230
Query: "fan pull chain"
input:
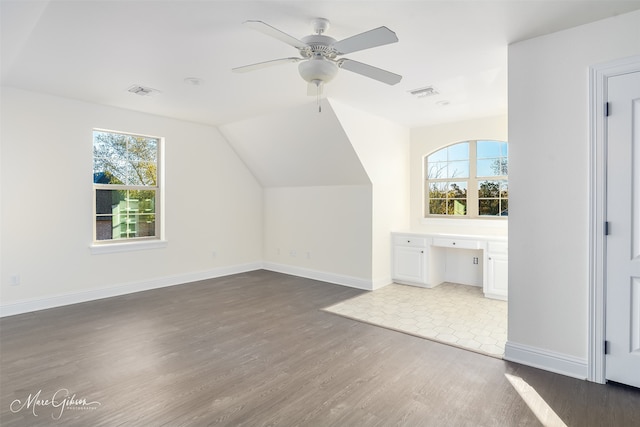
column 318, row 99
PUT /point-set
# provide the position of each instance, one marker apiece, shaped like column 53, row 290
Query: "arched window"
column 468, row 179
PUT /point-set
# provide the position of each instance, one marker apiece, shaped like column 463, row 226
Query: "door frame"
column 598, row 75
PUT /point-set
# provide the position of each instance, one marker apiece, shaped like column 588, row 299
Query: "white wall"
column 426, row 140
column 297, row 147
column 213, row 203
column 549, row 183
column 383, row 148
column 317, row 197
column 327, row 227
column 334, row 181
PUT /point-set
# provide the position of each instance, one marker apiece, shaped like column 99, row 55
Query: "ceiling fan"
column 319, row 54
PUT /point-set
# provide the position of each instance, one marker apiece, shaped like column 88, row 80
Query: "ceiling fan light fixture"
column 317, row 69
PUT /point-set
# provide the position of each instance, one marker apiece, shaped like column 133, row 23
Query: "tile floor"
column 450, row 313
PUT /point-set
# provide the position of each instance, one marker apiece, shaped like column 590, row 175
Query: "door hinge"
column 606, row 228
column 606, row 347
column 607, row 109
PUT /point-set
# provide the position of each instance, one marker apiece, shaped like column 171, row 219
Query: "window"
column 468, row 179
column 125, row 185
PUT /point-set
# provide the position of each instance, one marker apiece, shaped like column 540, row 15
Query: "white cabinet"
column 410, row 259
column 420, row 259
column 497, row 271
column 456, row 243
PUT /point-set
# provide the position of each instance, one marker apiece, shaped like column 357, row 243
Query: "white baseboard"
column 127, row 288
column 350, row 281
column 548, row 360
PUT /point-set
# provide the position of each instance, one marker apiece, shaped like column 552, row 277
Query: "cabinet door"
column 409, row 264
column 497, row 276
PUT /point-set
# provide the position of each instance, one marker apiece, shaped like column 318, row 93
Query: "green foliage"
column 443, row 201
column 125, row 159
column 493, row 197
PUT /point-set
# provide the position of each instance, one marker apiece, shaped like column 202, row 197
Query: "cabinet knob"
column 454, row 243
column 408, row 241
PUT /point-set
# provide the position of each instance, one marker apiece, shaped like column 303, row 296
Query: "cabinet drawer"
column 456, row 243
column 497, row 247
column 416, row 242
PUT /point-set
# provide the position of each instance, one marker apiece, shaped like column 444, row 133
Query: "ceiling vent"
column 143, row 91
column 424, row 92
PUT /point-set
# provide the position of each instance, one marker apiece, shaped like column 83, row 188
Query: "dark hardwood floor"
column 255, row 349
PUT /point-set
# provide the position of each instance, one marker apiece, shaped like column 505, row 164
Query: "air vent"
column 143, row 91
column 424, row 92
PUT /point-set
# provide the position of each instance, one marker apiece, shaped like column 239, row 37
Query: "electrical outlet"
column 308, row 254
column 475, row 260
column 14, row 280
column 293, row 253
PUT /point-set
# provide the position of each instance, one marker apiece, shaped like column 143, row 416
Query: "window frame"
column 132, row 243
column 473, row 182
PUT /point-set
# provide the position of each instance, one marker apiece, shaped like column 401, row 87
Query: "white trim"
column 548, row 360
column 598, row 75
column 338, row 279
column 126, row 288
column 127, row 246
column 381, row 283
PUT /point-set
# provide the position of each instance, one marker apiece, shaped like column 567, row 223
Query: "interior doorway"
column 614, row 341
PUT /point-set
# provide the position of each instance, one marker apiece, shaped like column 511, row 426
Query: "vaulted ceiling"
column 95, row 50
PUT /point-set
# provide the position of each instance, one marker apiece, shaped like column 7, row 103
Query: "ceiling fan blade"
column 257, row 66
column 276, row 33
column 369, row 71
column 372, row 38
column 315, row 90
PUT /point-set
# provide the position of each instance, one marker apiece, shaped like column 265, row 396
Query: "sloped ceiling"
column 93, row 50
column 297, row 147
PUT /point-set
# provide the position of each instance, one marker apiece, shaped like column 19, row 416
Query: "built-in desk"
column 420, row 259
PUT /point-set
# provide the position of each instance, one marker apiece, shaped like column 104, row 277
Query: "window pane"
column 108, row 170
column 504, row 208
column 486, row 149
column 489, row 189
column 124, row 159
column 103, row 227
column 142, row 173
column 437, row 207
column 457, row 207
column 489, row 207
column 107, row 199
column 436, row 170
column 457, row 190
column 492, row 167
column 438, row 156
column 438, row 190
column 142, row 149
column 458, row 169
column 124, row 214
column 458, row 151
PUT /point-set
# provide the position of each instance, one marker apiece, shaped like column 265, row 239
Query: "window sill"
column 109, row 248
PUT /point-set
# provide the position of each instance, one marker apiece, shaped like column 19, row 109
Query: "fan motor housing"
column 319, row 45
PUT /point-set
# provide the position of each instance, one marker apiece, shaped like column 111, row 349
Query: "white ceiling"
column 95, row 50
